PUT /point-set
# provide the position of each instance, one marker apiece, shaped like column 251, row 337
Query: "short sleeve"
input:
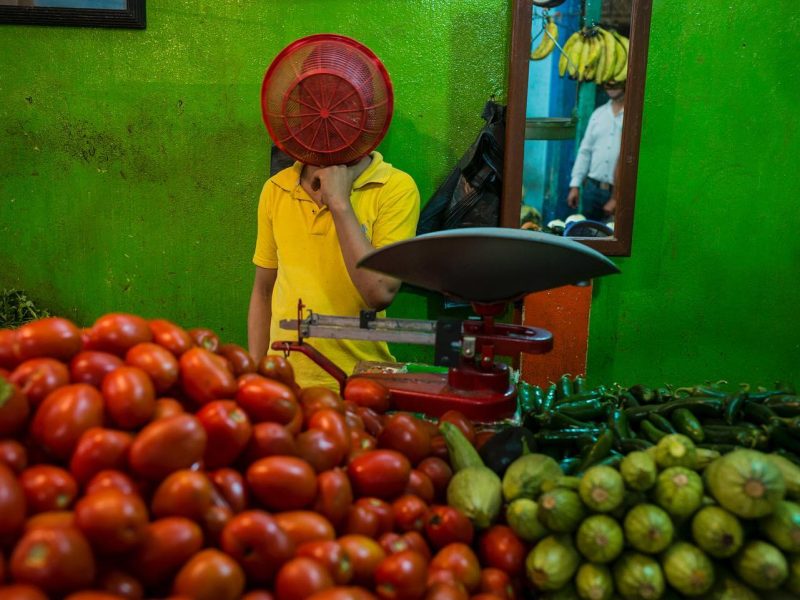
column 266, row 253
column 399, row 211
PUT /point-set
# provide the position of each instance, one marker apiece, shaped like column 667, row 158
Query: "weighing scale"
column 487, row 267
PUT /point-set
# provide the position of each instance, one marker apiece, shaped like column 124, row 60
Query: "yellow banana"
column 584, row 58
column 621, row 67
column 567, row 60
column 546, row 45
column 591, row 65
column 606, row 70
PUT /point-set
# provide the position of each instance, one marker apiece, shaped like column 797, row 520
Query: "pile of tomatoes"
column 142, row 460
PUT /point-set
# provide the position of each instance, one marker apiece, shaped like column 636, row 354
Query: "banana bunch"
column 548, row 41
column 595, row 54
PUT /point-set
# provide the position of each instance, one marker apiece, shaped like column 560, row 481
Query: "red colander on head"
column 327, row 100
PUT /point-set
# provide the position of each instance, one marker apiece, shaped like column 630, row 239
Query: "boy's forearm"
column 259, row 316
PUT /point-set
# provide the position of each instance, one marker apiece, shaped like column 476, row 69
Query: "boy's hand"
column 335, row 185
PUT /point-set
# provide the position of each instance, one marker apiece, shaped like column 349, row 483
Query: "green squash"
column 475, row 491
column 679, row 491
column 793, row 582
column 561, row 510
column 746, row 482
column 599, row 539
column 782, row 527
column 552, row 563
column 648, row 528
column 717, row 532
column 761, row 565
column 676, row 450
column 522, row 517
column 638, row 577
column 601, row 488
column 727, row 587
column 524, row 476
column 639, row 471
column 594, row 582
column 688, row 569
column 790, row 472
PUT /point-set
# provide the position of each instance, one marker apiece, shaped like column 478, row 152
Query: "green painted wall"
column 131, row 161
column 711, row 290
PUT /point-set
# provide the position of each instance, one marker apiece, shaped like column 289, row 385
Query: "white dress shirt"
column 599, row 149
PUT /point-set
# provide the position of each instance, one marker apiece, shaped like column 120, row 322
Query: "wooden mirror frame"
column 519, row 58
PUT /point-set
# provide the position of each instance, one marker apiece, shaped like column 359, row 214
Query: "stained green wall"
column 131, row 161
column 711, row 290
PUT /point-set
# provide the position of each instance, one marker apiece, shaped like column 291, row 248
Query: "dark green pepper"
column 642, row 393
column 549, row 398
column 784, row 406
column 570, row 465
column 758, row 413
column 568, row 436
column 651, row 432
column 699, row 406
column 661, row 422
column 525, row 398
column 687, row 424
column 734, row 407
column 584, row 409
column 599, row 450
column 630, row 444
column 505, row 446
column 619, row 423
column 579, row 385
column 782, row 438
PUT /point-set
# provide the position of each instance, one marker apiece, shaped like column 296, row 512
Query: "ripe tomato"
column 502, row 549
column 129, row 396
column 406, row 434
column 14, row 408
column 417, row 543
column 266, row 399
column 269, row 439
column 447, row 525
column 204, row 338
column 360, row 442
column 304, row 526
column 461, row 561
column 463, row 424
column 116, row 581
column 9, row 350
column 365, row 556
column 419, row 484
column 172, row 337
column 239, row 358
column 343, row 593
column 230, row 484
column 47, row 488
column 57, row 561
column 228, row 430
column 439, row 447
column 12, row 503
column 334, row 423
column 334, row 496
column 439, row 473
column 446, row 591
column 205, row 376
column 319, row 449
column 210, row 575
column 166, row 407
column 373, row 422
column 316, row 398
column 282, row 482
column 332, row 556
column 258, row 595
column 215, row 520
column 380, row 473
column 402, row 576
column 38, row 377
column 110, row 479
column 167, row 544
column 117, row 333
column 167, row 445
column 183, row 493
column 481, row 437
column 368, row 393
column 21, row 591
column 64, row 416
column 300, row 578
column 90, row 366
column 13, row 455
column 158, row 362
column 99, row 449
column 497, row 582
column 275, row 366
column 362, row 521
column 52, row 336
column 113, row 522
column 382, row 510
column 409, row 513
column 54, row 519
column 256, row 541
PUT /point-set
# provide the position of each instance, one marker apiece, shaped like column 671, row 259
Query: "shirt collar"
column 377, row 172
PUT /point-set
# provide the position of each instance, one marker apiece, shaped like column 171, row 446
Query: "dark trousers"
column 593, row 199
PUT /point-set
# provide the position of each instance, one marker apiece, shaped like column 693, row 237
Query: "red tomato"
column 22, row 592
column 38, row 377
column 13, row 455
column 446, row 591
column 258, row 595
column 228, row 430
column 447, row 525
column 266, row 399
column 12, row 503
column 461, row 560
column 295, row 426
column 402, row 576
column 158, row 362
column 183, row 493
column 351, row 418
column 205, row 376
column 332, row 556
column 439, row 473
column 239, row 358
column 166, row 407
column 53, row 337
column 419, row 484
column 54, row 519
column 497, row 582
column 463, row 424
column 170, row 336
column 373, row 422
column 333, row 423
column 502, row 549
column 409, row 513
column 204, row 338
column 417, row 543
column 129, row 395
column 382, row 510
column 230, row 484
column 365, row 556
column 47, row 488
column 319, row 449
column 167, row 445
column 304, row 526
column 57, row 561
column 91, row 367
column 360, row 443
column 282, row 482
column 406, row 434
column 362, row 521
column 110, row 479
column 64, row 416
column 117, row 333
column 14, row 408
column 368, row 393
column 92, row 595
column 256, row 541
column 334, row 495
column 215, row 520
column 300, row 578
column 343, row 593
column 99, row 449
column 274, row 366
column 439, row 447
column 482, row 437
column 113, row 522
column 122, row 584
column 210, row 575
column 9, row 350
column 167, row 544
column 380, row 473
column 316, row 398
column 269, row 439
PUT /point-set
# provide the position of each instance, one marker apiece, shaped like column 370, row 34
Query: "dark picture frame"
column 131, row 17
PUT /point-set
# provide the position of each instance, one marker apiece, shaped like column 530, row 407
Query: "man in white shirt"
column 596, row 161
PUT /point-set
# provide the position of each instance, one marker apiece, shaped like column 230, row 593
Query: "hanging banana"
column 621, row 67
column 595, row 54
column 567, row 60
column 548, row 41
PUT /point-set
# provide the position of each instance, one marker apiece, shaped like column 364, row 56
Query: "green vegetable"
column 619, row 423
column 601, row 488
column 676, row 450
column 705, row 457
column 561, row 510
column 648, row 528
column 638, row 577
column 761, row 565
column 782, row 527
column 567, row 592
column 679, row 491
column 793, row 582
column 688, row 569
column 653, row 433
column 746, row 482
column 566, row 481
column 686, row 423
column 790, row 472
column 524, row 477
column 661, row 422
column 717, row 532
column 599, row 539
column 593, row 408
column 505, row 446
column 552, row 562
column 462, row 453
column 727, row 587
column 594, row 582
column 522, row 518
column 599, row 450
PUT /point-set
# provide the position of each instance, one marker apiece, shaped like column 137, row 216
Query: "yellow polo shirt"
column 299, row 239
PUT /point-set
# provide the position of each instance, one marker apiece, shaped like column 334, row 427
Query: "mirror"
column 548, row 114
column 74, row 13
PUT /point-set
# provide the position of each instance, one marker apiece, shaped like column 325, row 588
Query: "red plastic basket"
column 327, row 100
